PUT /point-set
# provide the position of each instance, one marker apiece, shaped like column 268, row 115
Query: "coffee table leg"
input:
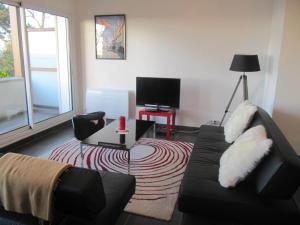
column 81, row 154
column 128, row 160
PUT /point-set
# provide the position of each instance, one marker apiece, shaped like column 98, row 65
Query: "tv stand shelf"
column 170, row 114
column 156, row 110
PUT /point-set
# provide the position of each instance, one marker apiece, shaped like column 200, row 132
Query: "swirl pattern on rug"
column 158, row 166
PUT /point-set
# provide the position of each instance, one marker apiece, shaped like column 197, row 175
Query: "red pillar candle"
column 122, row 123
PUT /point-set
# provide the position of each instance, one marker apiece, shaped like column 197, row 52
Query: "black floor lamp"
column 242, row 63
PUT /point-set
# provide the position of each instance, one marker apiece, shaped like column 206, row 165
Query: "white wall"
column 194, row 40
column 287, row 101
column 274, row 51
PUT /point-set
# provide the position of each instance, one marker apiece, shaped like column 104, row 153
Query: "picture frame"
column 110, row 36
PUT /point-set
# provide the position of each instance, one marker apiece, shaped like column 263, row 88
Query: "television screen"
column 158, row 91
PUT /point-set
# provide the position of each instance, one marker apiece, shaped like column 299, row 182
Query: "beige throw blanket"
column 27, row 184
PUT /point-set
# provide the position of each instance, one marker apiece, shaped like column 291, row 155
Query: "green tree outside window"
column 6, row 54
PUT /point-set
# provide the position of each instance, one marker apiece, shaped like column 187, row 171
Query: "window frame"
column 33, row 128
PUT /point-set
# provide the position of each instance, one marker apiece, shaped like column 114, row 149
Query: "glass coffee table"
column 108, row 137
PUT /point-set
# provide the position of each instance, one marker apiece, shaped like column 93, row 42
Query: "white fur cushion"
column 238, row 121
column 241, row 158
column 254, row 133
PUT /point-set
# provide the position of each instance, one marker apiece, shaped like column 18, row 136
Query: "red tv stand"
column 171, row 114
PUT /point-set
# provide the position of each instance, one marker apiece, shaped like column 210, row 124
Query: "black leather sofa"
column 83, row 197
column 265, row 197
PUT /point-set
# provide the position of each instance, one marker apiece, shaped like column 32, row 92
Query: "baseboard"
column 34, row 137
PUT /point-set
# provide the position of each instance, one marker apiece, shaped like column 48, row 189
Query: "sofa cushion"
column 203, row 195
column 243, row 156
column 208, row 147
column 201, row 175
column 211, row 138
column 200, row 192
column 118, row 189
column 238, row 121
column 264, row 219
column 211, row 129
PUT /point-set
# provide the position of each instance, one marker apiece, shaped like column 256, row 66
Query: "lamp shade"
column 245, row 63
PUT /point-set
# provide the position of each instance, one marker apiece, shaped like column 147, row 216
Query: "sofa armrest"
column 79, row 193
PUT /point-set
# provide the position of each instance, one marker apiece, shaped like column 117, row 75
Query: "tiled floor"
column 42, row 147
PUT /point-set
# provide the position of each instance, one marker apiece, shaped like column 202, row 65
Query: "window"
column 13, row 109
column 49, row 84
column 49, row 67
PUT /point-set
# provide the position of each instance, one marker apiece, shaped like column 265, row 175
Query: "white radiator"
column 113, row 102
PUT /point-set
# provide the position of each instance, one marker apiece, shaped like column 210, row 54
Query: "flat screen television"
column 160, row 92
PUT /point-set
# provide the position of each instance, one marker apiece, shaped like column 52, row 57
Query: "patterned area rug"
column 158, row 166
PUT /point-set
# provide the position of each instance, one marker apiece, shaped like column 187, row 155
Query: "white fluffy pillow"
column 254, row 133
column 241, row 158
column 238, row 121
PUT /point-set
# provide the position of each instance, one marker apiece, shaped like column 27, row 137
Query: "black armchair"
column 87, row 124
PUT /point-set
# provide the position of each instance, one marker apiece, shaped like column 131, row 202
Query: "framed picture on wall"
column 110, row 37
